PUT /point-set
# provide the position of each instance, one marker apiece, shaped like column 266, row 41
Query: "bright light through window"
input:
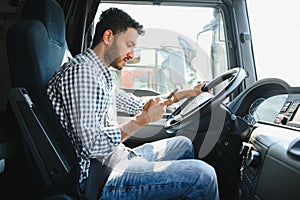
column 181, row 47
column 275, row 29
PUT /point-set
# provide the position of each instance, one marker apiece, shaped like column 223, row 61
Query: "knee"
column 185, row 141
column 211, row 174
column 187, row 145
column 207, row 177
column 203, row 181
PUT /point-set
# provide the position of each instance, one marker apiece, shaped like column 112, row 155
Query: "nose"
column 130, row 54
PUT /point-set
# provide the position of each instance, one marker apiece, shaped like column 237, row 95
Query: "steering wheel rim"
column 236, row 76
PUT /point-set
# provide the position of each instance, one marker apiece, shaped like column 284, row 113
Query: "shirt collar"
column 94, row 58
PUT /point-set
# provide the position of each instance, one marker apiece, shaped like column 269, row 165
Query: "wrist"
column 175, row 98
column 128, row 129
column 196, row 92
column 141, row 120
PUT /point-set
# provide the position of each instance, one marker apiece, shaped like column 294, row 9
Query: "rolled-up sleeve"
column 129, row 103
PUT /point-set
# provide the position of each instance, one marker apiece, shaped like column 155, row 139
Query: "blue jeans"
column 163, row 169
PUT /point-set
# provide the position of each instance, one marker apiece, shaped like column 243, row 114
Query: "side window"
column 181, row 47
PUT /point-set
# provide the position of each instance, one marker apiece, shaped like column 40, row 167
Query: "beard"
column 114, row 65
column 111, row 56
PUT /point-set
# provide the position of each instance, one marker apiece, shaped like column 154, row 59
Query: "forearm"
column 152, row 111
column 132, row 126
column 186, row 94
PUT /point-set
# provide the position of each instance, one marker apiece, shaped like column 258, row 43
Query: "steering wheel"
column 204, row 100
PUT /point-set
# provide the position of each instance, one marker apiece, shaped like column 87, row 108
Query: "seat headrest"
column 36, row 45
column 50, row 13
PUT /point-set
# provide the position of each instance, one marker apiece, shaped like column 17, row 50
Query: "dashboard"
column 263, row 109
column 271, row 154
column 271, row 101
column 290, row 113
column 280, row 109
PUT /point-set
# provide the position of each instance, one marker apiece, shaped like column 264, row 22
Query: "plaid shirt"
column 81, row 95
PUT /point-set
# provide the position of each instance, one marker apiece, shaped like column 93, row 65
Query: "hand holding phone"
column 172, row 94
column 170, row 100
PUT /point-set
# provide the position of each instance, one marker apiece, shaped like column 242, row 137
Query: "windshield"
column 275, row 30
column 182, row 46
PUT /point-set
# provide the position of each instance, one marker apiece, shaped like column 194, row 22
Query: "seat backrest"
column 39, row 42
column 36, row 47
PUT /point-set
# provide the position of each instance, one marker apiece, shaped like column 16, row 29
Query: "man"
column 81, row 94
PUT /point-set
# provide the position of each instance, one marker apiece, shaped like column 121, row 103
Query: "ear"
column 108, row 37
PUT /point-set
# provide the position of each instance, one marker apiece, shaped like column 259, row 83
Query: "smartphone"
column 172, row 93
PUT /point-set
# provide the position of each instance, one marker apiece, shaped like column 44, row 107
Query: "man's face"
column 122, row 48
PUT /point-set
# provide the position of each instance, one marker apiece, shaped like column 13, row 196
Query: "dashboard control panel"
column 290, row 113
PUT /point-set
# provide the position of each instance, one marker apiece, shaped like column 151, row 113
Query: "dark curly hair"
column 117, row 21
